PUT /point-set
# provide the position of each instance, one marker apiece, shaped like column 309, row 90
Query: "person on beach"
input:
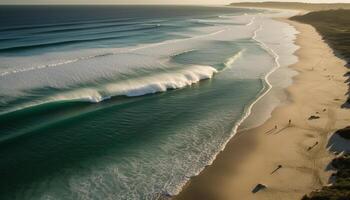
column 312, row 146
column 290, row 122
column 278, row 167
column 276, row 127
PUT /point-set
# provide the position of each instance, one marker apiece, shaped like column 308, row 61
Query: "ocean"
column 128, row 102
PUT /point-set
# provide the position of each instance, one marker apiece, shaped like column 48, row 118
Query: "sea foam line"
column 64, row 62
column 177, row 40
column 262, row 92
column 252, row 20
column 247, row 109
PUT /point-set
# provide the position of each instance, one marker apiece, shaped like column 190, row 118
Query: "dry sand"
column 251, row 156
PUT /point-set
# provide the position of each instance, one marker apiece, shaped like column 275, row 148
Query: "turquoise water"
column 122, row 102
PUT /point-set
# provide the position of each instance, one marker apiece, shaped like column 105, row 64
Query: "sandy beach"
column 289, row 157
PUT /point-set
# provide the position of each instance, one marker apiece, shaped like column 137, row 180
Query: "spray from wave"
column 229, row 62
column 144, row 85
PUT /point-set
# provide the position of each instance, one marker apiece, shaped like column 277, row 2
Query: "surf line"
column 20, row 70
column 266, row 88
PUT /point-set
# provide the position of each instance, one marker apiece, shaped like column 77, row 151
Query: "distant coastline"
column 294, row 5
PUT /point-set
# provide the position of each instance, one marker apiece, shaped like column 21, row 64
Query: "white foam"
column 264, row 90
column 251, row 21
column 152, row 84
column 141, row 86
column 88, row 95
column 25, row 69
column 162, row 82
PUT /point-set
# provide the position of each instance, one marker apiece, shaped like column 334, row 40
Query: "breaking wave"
column 144, row 85
column 152, row 84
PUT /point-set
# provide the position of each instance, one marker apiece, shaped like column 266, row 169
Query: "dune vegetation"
column 340, row 188
column 334, row 26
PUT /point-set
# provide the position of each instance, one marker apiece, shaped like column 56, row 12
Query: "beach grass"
column 340, row 188
column 334, row 26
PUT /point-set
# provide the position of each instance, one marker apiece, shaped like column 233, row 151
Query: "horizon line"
column 150, row 4
column 136, row 4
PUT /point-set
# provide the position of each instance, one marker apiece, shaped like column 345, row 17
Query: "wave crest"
column 152, row 84
column 142, row 86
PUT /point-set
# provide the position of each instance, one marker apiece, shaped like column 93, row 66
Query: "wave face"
column 160, row 82
column 126, row 102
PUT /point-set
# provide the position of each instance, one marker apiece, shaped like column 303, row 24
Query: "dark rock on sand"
column 259, row 187
column 312, row 117
column 344, row 133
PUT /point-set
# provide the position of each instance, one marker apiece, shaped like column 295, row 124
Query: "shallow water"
column 126, row 102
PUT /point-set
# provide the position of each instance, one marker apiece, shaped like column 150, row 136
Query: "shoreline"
column 265, row 91
column 227, row 179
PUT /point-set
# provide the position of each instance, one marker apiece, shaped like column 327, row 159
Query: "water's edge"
column 248, row 113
